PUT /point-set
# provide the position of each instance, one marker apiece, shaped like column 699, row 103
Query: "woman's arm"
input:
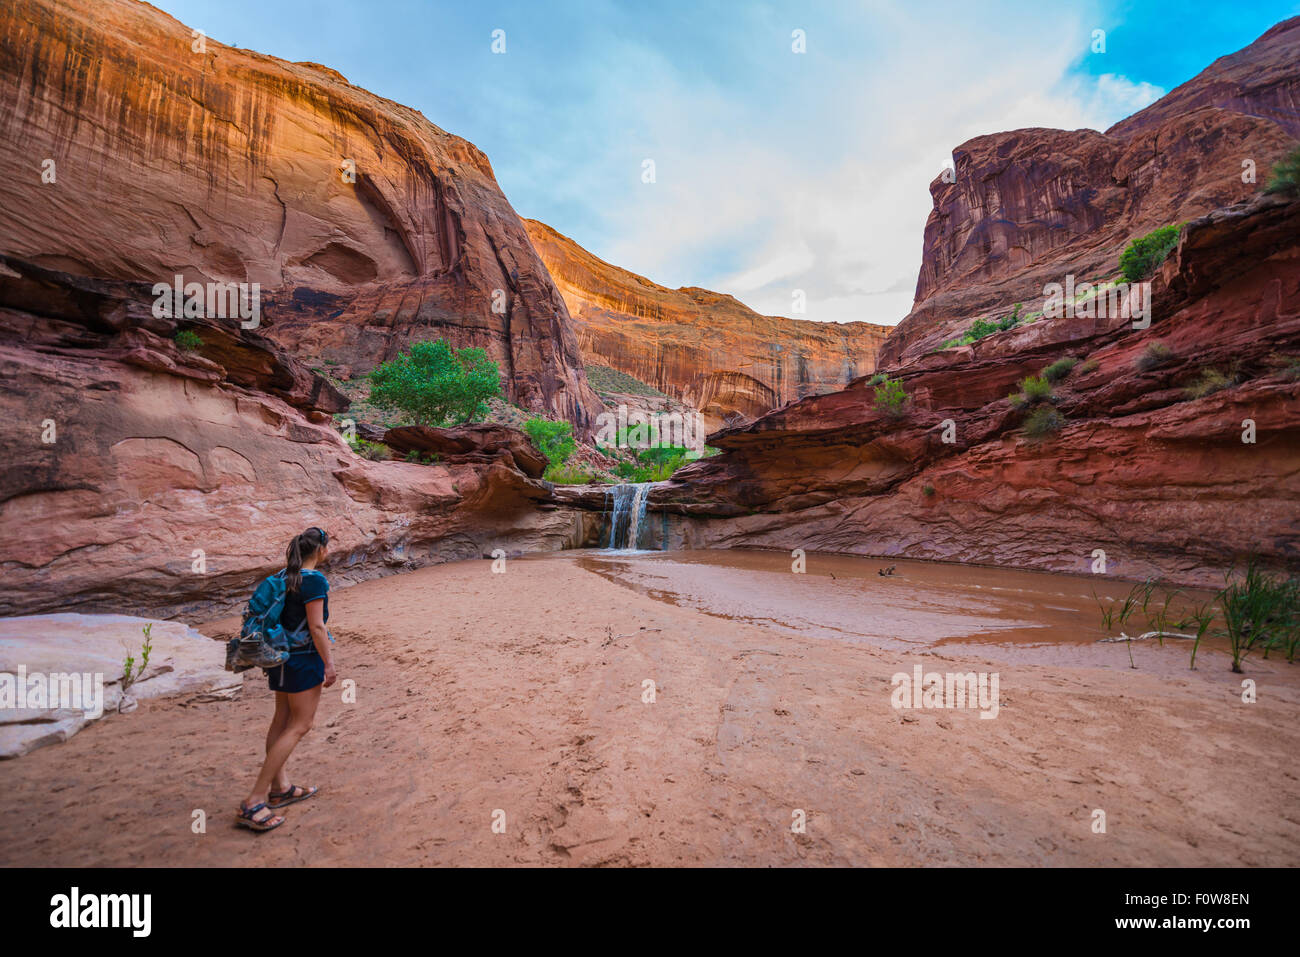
column 321, row 637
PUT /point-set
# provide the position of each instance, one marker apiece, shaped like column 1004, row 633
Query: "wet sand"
column 521, row 693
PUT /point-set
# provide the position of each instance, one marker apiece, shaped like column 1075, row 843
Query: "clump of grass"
column 891, row 398
column 187, row 340
column 1143, row 255
column 1154, row 356
column 927, row 490
column 568, row 475
column 1059, row 369
column 1260, row 611
column 1286, row 175
column 1208, row 382
column 878, row 379
column 1043, row 422
column 1088, row 366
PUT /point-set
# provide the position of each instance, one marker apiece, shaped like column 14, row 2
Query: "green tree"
column 436, row 385
column 555, row 439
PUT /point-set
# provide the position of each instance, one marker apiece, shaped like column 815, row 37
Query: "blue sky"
column 774, row 171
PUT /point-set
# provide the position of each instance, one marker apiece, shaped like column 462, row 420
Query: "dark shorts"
column 303, row 671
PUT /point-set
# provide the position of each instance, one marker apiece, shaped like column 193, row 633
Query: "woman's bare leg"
column 302, row 712
column 279, row 721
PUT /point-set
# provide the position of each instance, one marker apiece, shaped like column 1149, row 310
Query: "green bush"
column 1286, row 175
column 878, row 378
column 927, row 490
column 891, row 398
column 375, row 451
column 187, row 340
column 1208, row 382
column 1089, row 366
column 422, row 458
column 1044, row 421
column 1059, row 369
column 555, row 439
column 1141, row 257
column 1035, row 389
column 435, row 385
column 1153, row 356
column 981, row 328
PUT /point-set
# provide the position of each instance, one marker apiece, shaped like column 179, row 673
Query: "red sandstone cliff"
column 1030, row 206
column 228, row 165
column 704, row 348
column 139, row 476
column 1162, row 481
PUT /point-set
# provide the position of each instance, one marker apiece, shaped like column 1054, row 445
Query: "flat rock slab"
column 90, row 652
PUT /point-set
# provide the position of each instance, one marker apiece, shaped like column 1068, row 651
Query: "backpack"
column 262, row 641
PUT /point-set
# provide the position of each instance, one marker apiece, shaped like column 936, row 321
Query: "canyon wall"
column 704, row 348
column 1028, row 207
column 139, row 476
column 136, row 150
column 1164, row 482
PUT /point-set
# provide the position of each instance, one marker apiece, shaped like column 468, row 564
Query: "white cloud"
column 826, row 188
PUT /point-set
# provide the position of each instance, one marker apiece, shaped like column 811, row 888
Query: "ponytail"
column 301, row 548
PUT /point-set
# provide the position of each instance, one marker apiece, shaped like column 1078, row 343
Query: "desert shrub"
column 1036, row 389
column 981, row 328
column 891, row 398
column 187, row 340
column 1208, row 382
column 422, row 458
column 1011, row 321
column 1141, row 257
column 1059, row 369
column 375, row 451
column 878, row 378
column 1017, row 400
column 927, row 490
column 1044, row 421
column 1153, row 356
column 555, row 439
column 1286, row 175
column 1089, row 366
column 436, row 385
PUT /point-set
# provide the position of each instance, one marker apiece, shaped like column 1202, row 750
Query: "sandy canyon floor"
column 518, row 698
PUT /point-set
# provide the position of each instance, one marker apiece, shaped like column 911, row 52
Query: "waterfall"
column 627, row 506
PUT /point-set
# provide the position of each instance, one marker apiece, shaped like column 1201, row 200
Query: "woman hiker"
column 297, row 683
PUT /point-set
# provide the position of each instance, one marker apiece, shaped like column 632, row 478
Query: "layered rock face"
column 138, row 475
column 703, row 348
column 136, row 150
column 1164, row 483
column 1028, row 207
